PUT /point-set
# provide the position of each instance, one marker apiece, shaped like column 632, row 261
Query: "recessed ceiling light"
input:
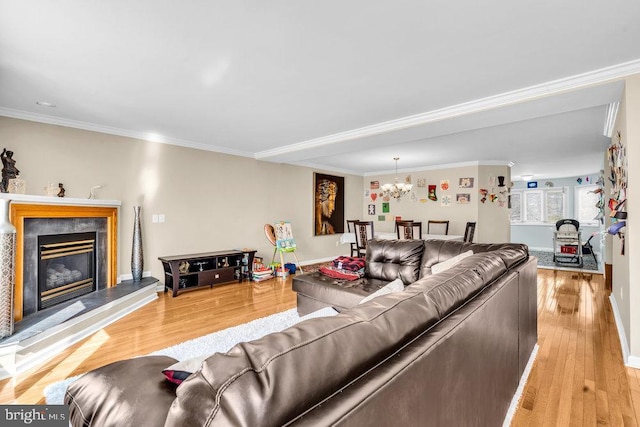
column 46, row 104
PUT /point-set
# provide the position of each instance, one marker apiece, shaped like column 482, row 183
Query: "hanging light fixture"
column 397, row 189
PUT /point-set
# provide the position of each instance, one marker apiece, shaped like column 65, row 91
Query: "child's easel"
column 285, row 242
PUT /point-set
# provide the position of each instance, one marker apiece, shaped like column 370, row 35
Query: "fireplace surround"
column 70, row 215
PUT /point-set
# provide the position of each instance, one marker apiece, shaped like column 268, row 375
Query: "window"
column 587, row 202
column 538, row 206
column 516, row 209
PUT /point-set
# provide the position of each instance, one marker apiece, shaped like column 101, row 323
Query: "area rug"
column 545, row 260
column 220, row 342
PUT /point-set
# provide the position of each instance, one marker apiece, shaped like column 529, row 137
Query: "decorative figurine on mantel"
column 9, row 170
column 61, row 192
column 51, row 190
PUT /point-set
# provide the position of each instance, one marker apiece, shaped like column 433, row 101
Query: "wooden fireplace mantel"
column 27, row 206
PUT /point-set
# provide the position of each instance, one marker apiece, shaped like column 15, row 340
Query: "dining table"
column 351, row 237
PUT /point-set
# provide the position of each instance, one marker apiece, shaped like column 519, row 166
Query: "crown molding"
column 317, row 166
column 610, row 119
column 553, row 87
column 145, row 136
column 444, row 166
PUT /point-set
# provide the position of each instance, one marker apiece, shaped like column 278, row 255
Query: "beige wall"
column 492, row 220
column 626, row 270
column 494, row 225
column 632, row 143
column 620, row 263
column 212, row 201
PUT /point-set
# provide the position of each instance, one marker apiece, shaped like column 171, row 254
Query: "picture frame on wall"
column 328, row 204
column 463, row 198
column 466, row 182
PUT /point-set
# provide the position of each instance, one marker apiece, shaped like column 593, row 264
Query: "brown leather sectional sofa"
column 449, row 350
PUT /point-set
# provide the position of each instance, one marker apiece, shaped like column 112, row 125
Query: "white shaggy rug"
column 220, row 342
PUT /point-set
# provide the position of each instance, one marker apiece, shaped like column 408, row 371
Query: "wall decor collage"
column 496, row 194
column 445, row 193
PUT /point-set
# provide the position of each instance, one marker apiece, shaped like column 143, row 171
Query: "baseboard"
column 630, row 361
column 532, row 248
column 513, row 407
column 129, row 276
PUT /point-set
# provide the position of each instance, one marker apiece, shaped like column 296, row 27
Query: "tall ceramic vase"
column 7, row 269
column 137, row 262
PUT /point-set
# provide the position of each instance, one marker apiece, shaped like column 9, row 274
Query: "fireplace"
column 66, row 267
column 39, row 215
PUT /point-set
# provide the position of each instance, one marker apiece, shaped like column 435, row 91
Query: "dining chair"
column 408, row 230
column 437, row 227
column 395, row 225
column 364, row 233
column 351, row 228
column 468, row 232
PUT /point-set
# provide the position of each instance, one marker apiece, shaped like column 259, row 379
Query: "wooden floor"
column 159, row 324
column 577, row 379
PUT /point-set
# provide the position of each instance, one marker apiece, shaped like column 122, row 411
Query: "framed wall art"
column 463, row 198
column 328, row 204
column 466, row 182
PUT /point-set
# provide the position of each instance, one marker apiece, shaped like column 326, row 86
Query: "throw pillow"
column 395, row 286
column 180, row 371
column 445, row 265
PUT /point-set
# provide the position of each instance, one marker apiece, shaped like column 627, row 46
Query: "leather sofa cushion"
column 131, row 392
column 391, row 259
column 451, row 288
column 337, row 293
column 437, row 251
column 272, row 380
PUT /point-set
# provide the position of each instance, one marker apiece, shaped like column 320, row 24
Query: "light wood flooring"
column 577, row 379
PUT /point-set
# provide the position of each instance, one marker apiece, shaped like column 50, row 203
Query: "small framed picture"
column 385, row 207
column 463, row 198
column 532, row 184
column 371, row 209
column 466, row 182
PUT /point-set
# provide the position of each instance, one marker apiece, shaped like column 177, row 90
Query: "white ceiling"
column 338, row 85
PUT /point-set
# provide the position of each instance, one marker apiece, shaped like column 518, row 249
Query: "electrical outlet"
column 154, row 218
column 161, row 218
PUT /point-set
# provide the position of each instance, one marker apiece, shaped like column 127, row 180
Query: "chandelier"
column 397, row 189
